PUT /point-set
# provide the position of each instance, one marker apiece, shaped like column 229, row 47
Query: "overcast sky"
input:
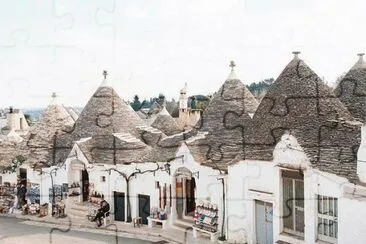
column 156, row 46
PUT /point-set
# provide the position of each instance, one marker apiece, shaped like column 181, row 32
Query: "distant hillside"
column 35, row 113
column 259, row 89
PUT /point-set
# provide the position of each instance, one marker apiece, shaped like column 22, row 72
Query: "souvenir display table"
column 206, row 216
column 7, row 197
column 152, row 222
column 59, row 210
column 157, row 216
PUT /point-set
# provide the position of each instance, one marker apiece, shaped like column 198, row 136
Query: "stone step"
column 184, row 225
column 83, row 207
column 183, row 228
column 186, row 222
column 78, row 211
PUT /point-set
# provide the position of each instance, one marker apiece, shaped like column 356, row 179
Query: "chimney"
column 361, row 56
column 296, row 54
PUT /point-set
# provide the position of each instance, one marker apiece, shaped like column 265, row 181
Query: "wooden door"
column 119, row 206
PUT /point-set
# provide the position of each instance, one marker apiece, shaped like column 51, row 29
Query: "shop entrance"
column 85, row 184
column 119, row 206
column 185, row 192
column 263, row 222
column 190, row 196
column 144, row 208
column 23, row 176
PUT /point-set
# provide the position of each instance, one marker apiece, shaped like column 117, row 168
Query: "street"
column 16, row 231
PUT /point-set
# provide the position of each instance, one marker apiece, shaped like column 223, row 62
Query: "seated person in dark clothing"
column 104, row 208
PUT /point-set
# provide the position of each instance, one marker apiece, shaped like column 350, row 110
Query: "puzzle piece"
column 239, row 201
column 61, row 230
column 306, row 112
column 352, row 91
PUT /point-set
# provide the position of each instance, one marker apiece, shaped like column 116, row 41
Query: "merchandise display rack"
column 206, row 216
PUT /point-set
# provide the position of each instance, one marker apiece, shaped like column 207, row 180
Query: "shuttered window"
column 327, row 218
column 293, row 203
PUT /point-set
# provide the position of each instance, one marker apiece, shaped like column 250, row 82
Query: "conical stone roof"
column 221, row 144
column 106, row 113
column 40, row 146
column 7, row 153
column 300, row 102
column 165, row 122
column 352, row 90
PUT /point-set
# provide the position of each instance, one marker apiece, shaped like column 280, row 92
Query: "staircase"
column 184, row 224
column 78, row 211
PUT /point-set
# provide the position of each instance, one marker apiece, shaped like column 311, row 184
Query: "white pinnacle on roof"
column 361, row 64
column 105, row 82
column 296, row 54
column 54, row 99
column 232, row 75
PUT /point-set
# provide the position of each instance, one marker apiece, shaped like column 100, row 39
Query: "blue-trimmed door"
column 264, row 222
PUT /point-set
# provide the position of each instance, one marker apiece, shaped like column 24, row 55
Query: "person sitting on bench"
column 104, row 209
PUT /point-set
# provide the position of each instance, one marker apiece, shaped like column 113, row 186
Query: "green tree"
column 259, row 88
column 136, row 104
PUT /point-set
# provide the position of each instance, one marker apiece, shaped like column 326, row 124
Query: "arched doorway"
column 185, row 189
column 78, row 180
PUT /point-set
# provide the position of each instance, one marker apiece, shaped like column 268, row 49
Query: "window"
column 21, row 124
column 293, row 202
column 102, row 179
column 327, row 218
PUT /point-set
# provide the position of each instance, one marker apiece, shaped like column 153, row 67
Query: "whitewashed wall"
column 12, row 177
column 361, row 156
column 245, row 176
column 207, row 185
column 259, row 180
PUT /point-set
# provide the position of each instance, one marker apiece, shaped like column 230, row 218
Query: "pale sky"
column 152, row 47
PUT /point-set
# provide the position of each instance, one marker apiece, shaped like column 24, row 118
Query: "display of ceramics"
column 206, row 216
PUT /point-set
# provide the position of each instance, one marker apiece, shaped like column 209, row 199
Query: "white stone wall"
column 17, row 121
column 361, row 156
column 207, row 185
column 258, row 180
column 12, row 178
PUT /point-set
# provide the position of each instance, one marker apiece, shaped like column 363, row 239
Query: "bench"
column 152, row 222
column 213, row 235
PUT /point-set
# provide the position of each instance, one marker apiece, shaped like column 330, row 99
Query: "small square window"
column 103, row 178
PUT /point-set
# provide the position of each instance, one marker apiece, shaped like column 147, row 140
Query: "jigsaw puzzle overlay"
column 234, row 127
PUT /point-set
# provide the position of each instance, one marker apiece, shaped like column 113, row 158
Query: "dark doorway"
column 85, row 184
column 144, row 207
column 190, row 196
column 119, row 206
column 23, row 177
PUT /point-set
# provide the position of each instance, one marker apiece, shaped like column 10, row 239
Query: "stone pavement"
column 44, row 238
column 155, row 234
